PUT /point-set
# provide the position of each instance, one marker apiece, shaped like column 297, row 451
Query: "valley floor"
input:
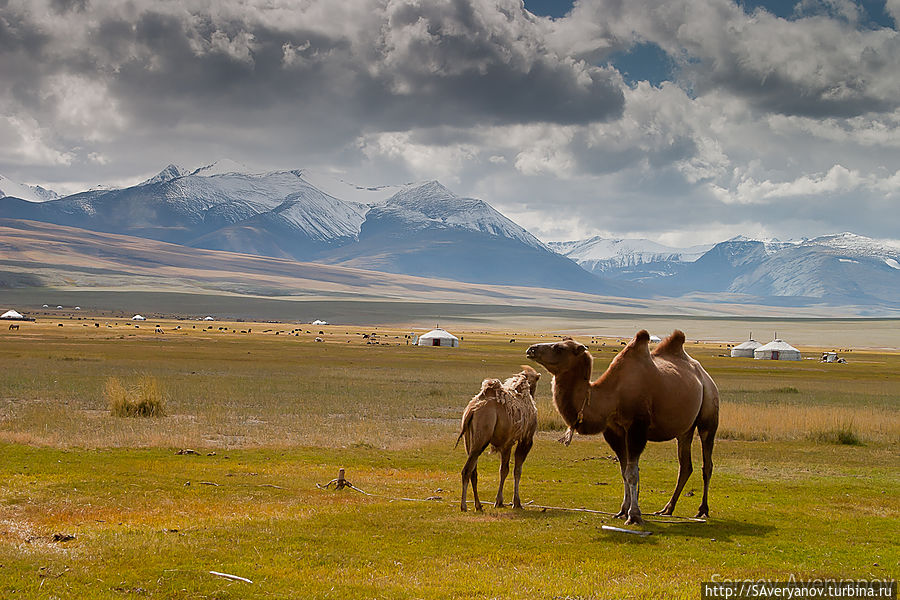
column 806, row 482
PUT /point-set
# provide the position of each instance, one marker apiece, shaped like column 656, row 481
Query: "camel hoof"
column 499, row 505
column 479, row 508
column 620, row 515
column 636, row 520
column 702, row 514
column 463, row 508
column 666, row 512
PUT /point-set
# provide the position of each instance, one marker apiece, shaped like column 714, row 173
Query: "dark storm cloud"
column 420, row 64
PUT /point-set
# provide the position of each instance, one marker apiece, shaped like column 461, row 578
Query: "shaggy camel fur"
column 641, row 397
column 502, row 415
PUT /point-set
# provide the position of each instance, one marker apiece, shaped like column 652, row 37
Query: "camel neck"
column 579, row 404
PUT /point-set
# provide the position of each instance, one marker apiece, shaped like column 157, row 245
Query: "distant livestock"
column 502, row 415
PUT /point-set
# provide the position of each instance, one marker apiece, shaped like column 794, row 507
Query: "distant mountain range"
column 834, row 269
column 417, row 229
column 424, row 229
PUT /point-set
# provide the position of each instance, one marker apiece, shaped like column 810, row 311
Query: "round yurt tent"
column 776, row 350
column 438, row 337
column 12, row 315
column 745, row 349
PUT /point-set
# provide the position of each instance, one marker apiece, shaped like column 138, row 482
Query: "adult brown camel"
column 641, row 397
column 502, row 415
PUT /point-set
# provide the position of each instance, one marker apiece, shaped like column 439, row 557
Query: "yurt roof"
column 655, row 338
column 779, row 345
column 11, row 314
column 748, row 345
column 438, row 333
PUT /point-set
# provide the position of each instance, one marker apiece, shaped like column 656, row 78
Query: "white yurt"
column 655, row 339
column 777, row 350
column 138, row 318
column 745, row 349
column 438, row 337
column 12, row 315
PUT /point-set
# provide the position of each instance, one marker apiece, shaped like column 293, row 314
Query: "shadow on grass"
column 721, row 530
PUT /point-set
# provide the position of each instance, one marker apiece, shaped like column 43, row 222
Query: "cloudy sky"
column 684, row 121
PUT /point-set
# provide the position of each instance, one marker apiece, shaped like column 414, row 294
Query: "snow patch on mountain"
column 168, row 174
column 223, row 166
column 605, row 255
column 31, row 193
column 334, row 185
column 304, row 211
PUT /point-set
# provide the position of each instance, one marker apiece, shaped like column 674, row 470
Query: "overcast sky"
column 683, row 121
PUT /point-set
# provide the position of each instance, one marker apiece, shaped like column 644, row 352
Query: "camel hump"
column 640, row 345
column 491, row 384
column 672, row 345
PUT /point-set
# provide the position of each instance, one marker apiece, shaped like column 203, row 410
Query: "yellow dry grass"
column 144, row 399
column 796, row 422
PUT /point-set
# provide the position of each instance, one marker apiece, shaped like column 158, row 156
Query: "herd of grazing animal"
column 642, row 396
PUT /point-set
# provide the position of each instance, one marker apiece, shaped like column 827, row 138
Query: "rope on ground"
column 340, row 482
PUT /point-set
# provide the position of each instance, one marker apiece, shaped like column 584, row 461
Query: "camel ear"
column 579, row 349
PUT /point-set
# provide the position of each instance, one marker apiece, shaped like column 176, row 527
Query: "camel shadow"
column 720, row 530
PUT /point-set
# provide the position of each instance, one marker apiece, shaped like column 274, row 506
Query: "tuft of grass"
column 145, row 399
column 843, row 435
column 786, row 390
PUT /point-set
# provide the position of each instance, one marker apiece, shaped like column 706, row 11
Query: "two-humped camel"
column 641, row 397
column 502, row 415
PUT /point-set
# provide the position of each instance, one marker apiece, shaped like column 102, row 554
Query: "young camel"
column 502, row 415
column 641, row 397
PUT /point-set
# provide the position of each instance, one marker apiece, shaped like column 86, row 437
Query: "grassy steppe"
column 270, row 416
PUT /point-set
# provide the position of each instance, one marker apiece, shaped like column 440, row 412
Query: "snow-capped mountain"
column 428, row 230
column 188, row 208
column 31, row 193
column 432, row 206
column 632, row 259
column 415, row 229
column 425, row 229
column 841, row 269
column 168, row 174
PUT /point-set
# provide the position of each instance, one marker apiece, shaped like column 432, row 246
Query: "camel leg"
column 707, row 439
column 470, row 473
column 617, row 443
column 522, row 450
column 504, row 471
column 478, row 507
column 685, row 468
column 635, row 441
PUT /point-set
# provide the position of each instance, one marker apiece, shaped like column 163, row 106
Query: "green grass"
column 777, row 511
column 806, row 482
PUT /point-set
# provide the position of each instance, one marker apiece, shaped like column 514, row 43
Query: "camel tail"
column 466, row 422
column 672, row 345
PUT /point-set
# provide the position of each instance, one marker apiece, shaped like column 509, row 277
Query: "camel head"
column 559, row 357
column 532, row 377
